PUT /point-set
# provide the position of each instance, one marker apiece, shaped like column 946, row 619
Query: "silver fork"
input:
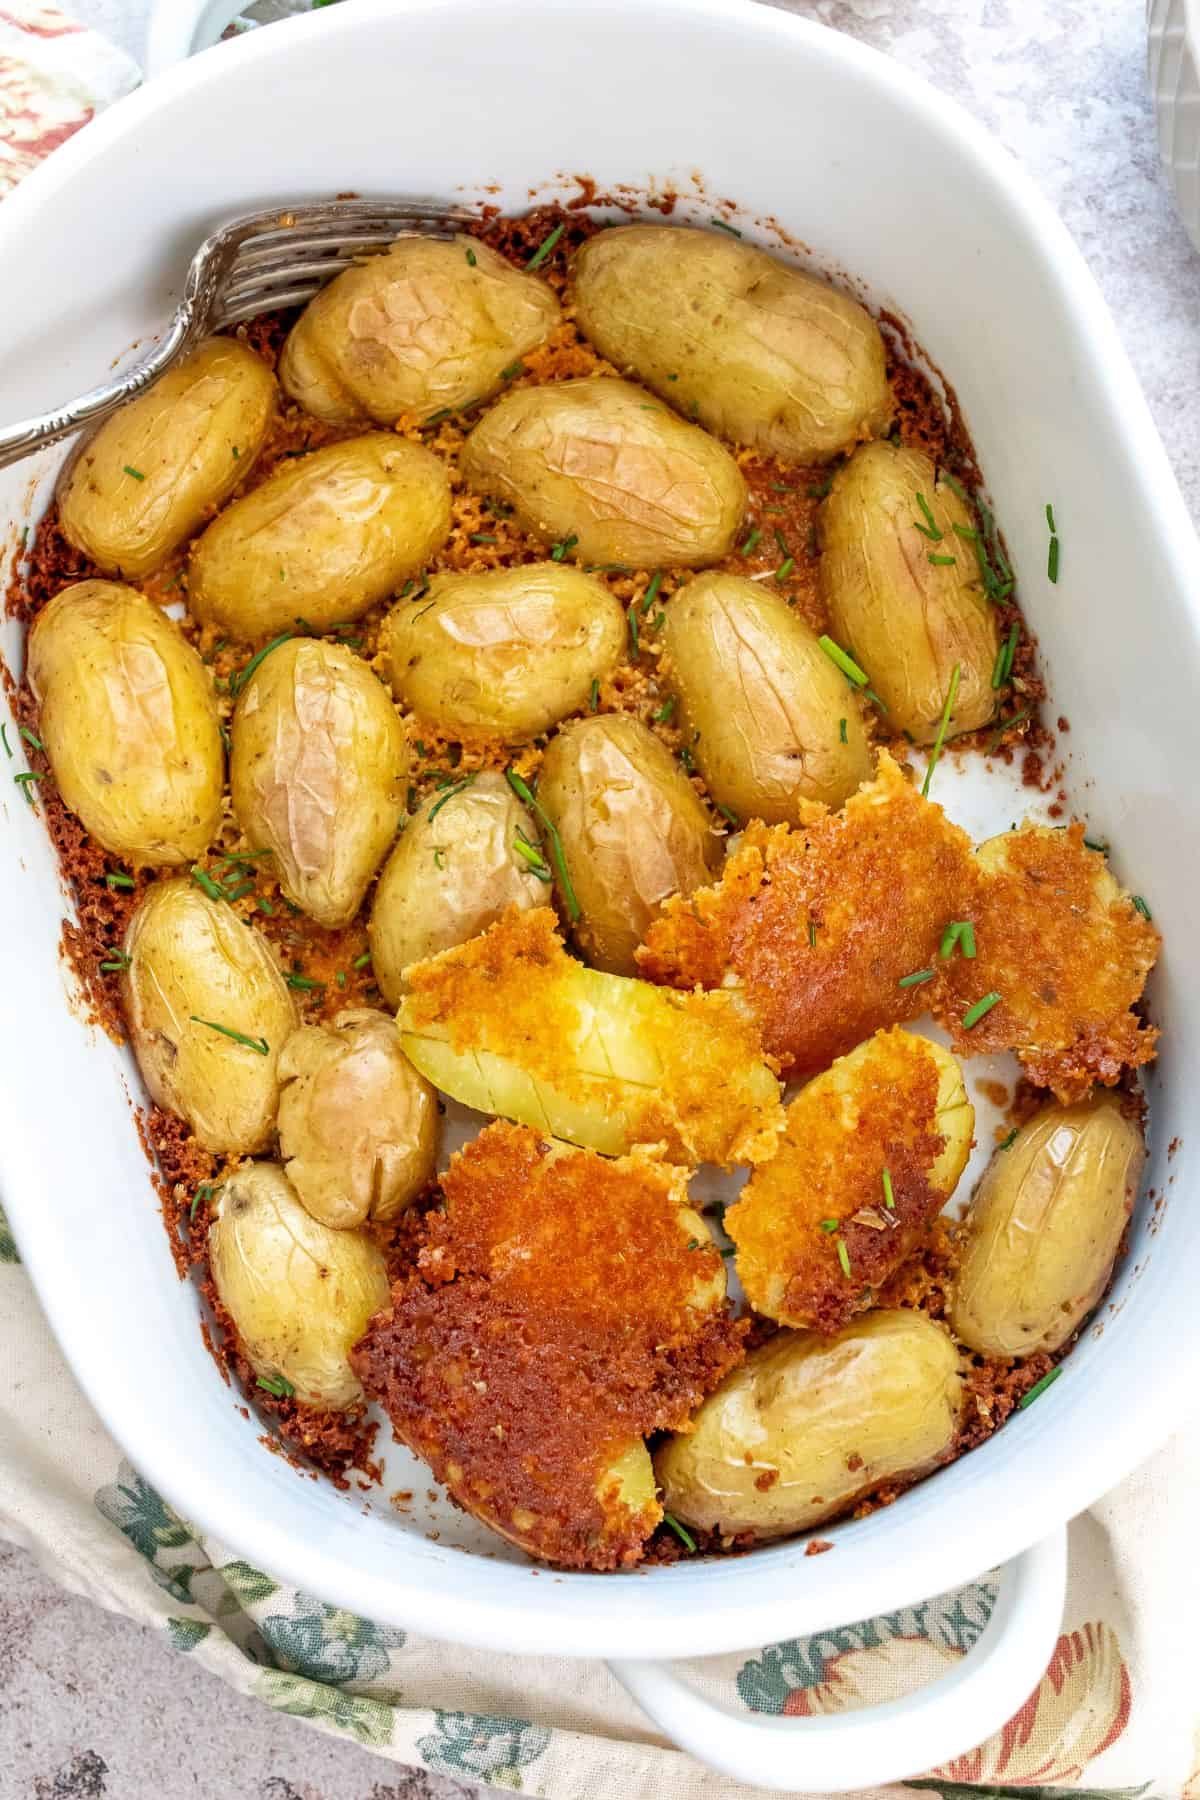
column 261, row 261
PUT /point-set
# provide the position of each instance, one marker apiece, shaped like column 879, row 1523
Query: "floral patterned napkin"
column 1116, row 1715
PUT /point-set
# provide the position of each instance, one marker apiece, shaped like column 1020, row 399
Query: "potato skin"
column 192, row 958
column 299, row 1293
column 752, row 680
column 129, row 722
column 884, row 1396
column 192, row 437
column 757, row 351
column 323, row 538
column 1044, row 1228
column 599, row 462
column 358, row 1127
column 453, row 873
column 318, row 771
column 414, row 331
column 633, row 831
column 507, row 651
column 909, row 620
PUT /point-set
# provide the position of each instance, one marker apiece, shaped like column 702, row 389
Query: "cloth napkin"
column 1117, row 1713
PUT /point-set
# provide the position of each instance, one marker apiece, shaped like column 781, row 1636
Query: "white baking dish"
column 883, row 177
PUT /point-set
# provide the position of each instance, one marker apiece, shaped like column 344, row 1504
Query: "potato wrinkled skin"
column 429, row 326
column 508, row 652
column 633, row 832
column 817, row 1422
column 757, row 351
column 358, row 1127
column 597, row 465
column 129, row 722
column 761, row 705
column 322, row 539
column 908, row 620
column 299, row 1293
column 453, row 873
column 1044, row 1228
column 318, row 770
column 192, row 959
column 156, row 470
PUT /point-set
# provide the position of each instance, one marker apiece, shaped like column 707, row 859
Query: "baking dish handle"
column 874, row 1745
column 178, row 27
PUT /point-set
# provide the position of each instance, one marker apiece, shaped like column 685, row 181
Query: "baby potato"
column 299, row 1293
column 1044, row 1228
column 511, row 1025
column 509, row 651
column 155, row 470
column 208, row 1014
column 358, row 1127
column 324, row 537
column 609, row 473
column 633, row 831
column 753, row 349
column 770, row 720
column 318, row 770
column 808, row 1423
column 910, row 620
column 129, row 722
column 455, row 871
column 425, row 328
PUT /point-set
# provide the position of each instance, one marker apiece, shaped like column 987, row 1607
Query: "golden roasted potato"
column 809, row 1423
column 318, row 769
column 512, row 1025
column 563, row 1307
column 323, row 538
column 299, row 1293
column 358, row 1127
column 910, row 616
column 426, row 328
column 1044, row 1228
column 871, row 1151
column 129, row 722
column 610, row 474
column 509, row 652
column 208, row 1014
column 457, row 868
column 760, row 352
column 156, row 470
column 770, row 720
column 633, row 832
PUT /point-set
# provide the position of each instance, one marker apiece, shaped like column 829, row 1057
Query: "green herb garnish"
column 119, row 880
column 260, row 1045
column 279, row 1385
column 819, row 493
column 136, row 473
column 1052, row 560
column 829, row 1224
column 651, row 593
column 930, row 529
column 843, row 1256
column 510, row 374
column 533, row 856
column 974, row 1013
column 1039, row 1388
column 204, row 880
column 635, row 648
column 940, row 739
column 238, row 680
column 1002, row 667
column 545, row 247
column 454, row 788
column 483, row 537
column 889, row 1198
column 785, row 568
column 115, row 963
column 304, row 984
column 664, row 712
column 1007, row 725
column 31, row 737
column 1050, row 520
column 681, row 1531
column 750, row 542
column 845, row 663
column 916, row 979
column 472, row 259
column 812, row 934
column 727, row 812
column 523, row 792
column 944, row 562
column 559, row 550
column 1140, row 906
column 4, row 736
column 723, row 225
column 1008, row 1142
column 842, row 731
column 594, row 695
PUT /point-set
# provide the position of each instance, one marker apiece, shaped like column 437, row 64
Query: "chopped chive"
column 812, row 935
column 664, row 712
column 635, row 648
column 424, row 609
column 1039, row 1388
column 26, row 780
column 1052, row 560
column 950, row 937
column 651, row 593
column 1007, row 725
column 533, row 856
column 303, row 983
column 31, row 737
column 1050, row 520
column 455, row 788
column 521, row 789
column 943, row 562
column 889, row 1198
column 136, row 473
column 120, row 880
column 472, row 259
column 722, row 225
column 1008, row 1142
column 360, row 962
column 439, row 856
column 236, row 452
column 594, row 695
column 4, row 736
column 785, row 568
column 955, row 487
column 727, row 812
column 843, row 1256
column 685, row 757
column 781, row 487
column 115, row 963
column 512, row 371
column 204, row 880
column 559, row 550
column 238, row 680
column 951, row 692
column 1002, row 667
column 974, row 1013
column 750, row 542
column 842, row 731
column 967, row 532
column 681, row 1531
column 782, row 542
column 1094, row 844
column 260, row 1045
column 236, row 893
column 693, row 1243
column 819, row 493
column 930, row 529
column 1140, row 906
column 829, row 1224
column 278, row 1385
column 846, row 664
column 966, row 940
column 545, row 247
column 483, row 537
column 916, row 979
column 264, row 906
column 203, row 1193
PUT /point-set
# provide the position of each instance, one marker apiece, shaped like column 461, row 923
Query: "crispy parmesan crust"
column 829, row 1172
column 556, row 1317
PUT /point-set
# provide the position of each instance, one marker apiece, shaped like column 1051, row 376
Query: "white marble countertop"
column 91, row 1705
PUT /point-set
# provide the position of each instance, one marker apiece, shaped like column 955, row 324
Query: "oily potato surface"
column 757, row 351
column 129, row 723
column 154, row 472
column 427, row 327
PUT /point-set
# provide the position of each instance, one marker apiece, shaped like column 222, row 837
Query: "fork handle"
column 21, row 440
